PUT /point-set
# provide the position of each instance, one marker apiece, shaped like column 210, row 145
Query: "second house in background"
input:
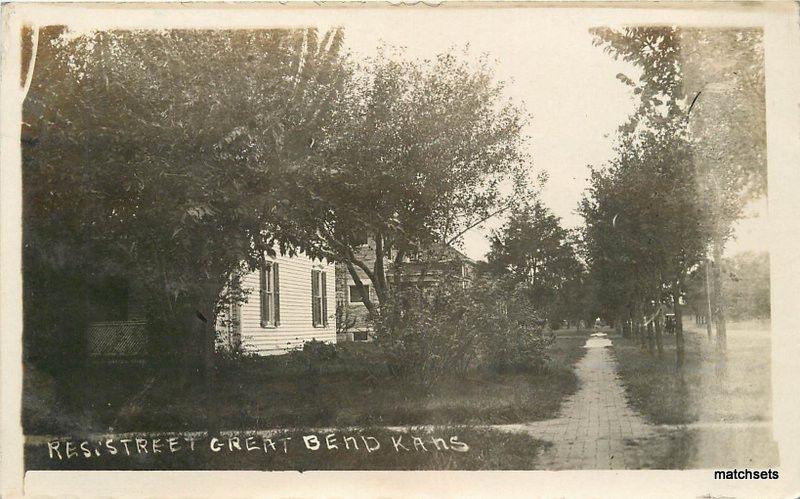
column 425, row 268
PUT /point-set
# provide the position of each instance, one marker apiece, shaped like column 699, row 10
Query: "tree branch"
column 361, row 288
column 473, row 225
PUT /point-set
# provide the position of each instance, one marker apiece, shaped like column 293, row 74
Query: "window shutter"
column 324, row 299
column 262, row 288
column 314, row 297
column 277, row 292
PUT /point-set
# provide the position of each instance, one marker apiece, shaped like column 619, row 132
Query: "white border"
column 780, row 21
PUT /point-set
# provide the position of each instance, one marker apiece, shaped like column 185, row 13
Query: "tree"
column 715, row 77
column 725, row 69
column 535, row 255
column 421, row 152
column 163, row 157
column 643, row 225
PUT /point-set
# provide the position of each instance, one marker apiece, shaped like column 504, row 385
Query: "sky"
column 568, row 86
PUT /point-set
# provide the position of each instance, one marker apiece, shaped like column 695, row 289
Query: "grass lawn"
column 475, row 449
column 282, row 392
column 705, row 389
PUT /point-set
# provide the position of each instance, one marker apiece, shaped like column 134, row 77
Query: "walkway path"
column 597, row 429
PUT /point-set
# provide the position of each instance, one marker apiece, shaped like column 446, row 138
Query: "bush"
column 310, row 359
column 318, row 351
column 424, row 335
column 511, row 338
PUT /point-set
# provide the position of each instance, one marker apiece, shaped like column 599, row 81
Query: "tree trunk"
column 207, row 323
column 719, row 298
column 659, row 331
column 680, row 347
column 365, row 299
column 379, row 269
column 204, row 332
column 640, row 328
column 650, row 338
column 209, row 371
column 195, row 321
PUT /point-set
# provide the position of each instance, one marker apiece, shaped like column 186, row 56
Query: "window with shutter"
column 277, row 293
column 324, row 298
column 318, row 294
column 314, row 297
column 269, row 301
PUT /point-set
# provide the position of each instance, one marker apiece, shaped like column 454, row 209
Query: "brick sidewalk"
column 596, row 429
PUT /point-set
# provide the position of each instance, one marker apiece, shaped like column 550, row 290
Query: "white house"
column 291, row 300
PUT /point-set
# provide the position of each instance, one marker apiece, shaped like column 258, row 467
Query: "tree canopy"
column 536, row 257
column 700, row 121
column 422, row 151
column 164, row 156
column 178, row 159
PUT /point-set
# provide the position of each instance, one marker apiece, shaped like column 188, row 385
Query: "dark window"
column 355, row 293
column 269, row 284
column 319, row 298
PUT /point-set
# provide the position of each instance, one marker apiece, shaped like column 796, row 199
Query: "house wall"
column 442, row 260
column 296, row 326
column 354, row 316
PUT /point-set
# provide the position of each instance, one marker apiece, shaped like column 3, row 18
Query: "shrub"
column 345, row 322
column 310, row 359
column 424, row 335
column 318, row 351
column 511, row 330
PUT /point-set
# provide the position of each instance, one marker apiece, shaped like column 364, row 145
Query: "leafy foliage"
column 536, row 258
column 419, row 154
column 425, row 335
column 746, row 284
column 140, row 162
column 686, row 165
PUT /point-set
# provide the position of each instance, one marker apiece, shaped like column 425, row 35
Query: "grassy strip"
column 284, row 391
column 456, row 448
column 705, row 389
column 653, row 384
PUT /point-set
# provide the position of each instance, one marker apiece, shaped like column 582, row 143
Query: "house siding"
column 354, row 316
column 444, row 261
column 296, row 326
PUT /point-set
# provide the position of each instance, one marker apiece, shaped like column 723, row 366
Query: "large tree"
column 535, row 255
column 644, row 229
column 422, row 151
column 746, row 285
column 163, row 157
